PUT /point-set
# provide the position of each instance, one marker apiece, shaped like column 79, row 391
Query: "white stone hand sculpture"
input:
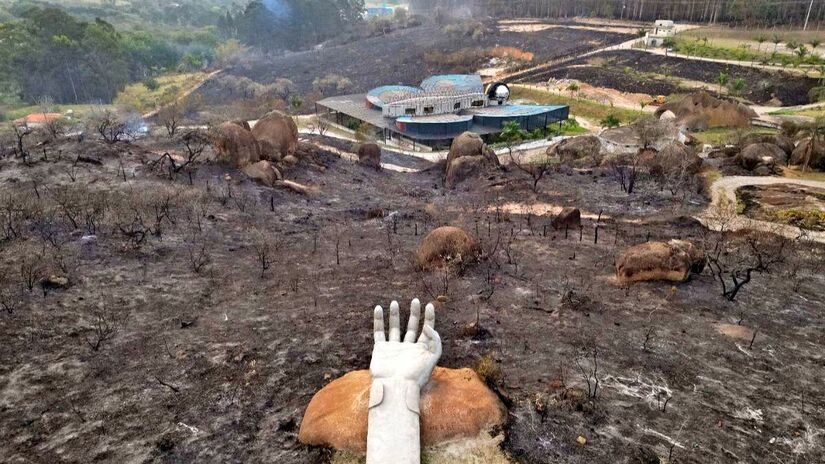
column 399, row 370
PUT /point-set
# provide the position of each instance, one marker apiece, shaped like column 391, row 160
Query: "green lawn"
column 80, row 111
column 736, row 35
column 810, row 112
column 723, row 135
column 578, row 107
column 745, row 53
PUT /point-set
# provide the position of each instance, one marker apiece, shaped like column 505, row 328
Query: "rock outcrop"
column 782, row 141
column 369, row 154
column 701, row 111
column 568, row 218
column 447, row 246
column 236, row 145
column 263, row 172
column 670, row 261
column 454, row 405
column 468, row 155
column 762, row 158
column 803, row 150
column 582, row 150
column 277, row 135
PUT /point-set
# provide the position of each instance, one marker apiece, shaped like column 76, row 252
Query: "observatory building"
column 438, row 110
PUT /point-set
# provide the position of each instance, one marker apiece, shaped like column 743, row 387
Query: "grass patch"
column 162, row 90
column 812, row 219
column 814, row 112
column 733, row 35
column 745, row 52
column 796, row 173
column 578, row 107
column 17, row 112
column 725, row 135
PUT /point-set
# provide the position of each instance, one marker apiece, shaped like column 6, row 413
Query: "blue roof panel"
column 514, row 111
column 380, row 96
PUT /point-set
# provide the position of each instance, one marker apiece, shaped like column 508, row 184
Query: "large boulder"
column 243, row 123
column 447, row 246
column 817, row 155
column 236, row 145
column 277, row 135
column 369, row 154
column 761, row 154
column 671, row 261
column 464, row 168
column 478, row 156
column 725, row 152
column 585, row 149
column 470, row 144
column 782, row 141
column 263, row 172
column 701, row 111
column 567, row 219
column 455, row 404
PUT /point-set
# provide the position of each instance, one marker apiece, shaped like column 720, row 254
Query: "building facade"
column 438, row 110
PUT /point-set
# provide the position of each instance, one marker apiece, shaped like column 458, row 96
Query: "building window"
column 428, row 110
column 409, row 111
column 457, row 106
column 478, row 103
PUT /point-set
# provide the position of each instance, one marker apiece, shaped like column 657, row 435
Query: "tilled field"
column 762, row 86
column 214, row 357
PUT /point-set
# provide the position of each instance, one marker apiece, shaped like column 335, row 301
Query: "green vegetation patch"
column 578, row 107
column 813, row 219
column 724, row 135
column 149, row 95
column 702, row 47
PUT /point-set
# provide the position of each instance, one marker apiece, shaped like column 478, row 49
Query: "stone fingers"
column 412, row 324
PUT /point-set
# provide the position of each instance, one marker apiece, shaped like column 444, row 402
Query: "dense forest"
column 85, row 52
column 48, row 52
column 750, row 12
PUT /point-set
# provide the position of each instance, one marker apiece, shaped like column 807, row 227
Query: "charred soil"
column 239, row 302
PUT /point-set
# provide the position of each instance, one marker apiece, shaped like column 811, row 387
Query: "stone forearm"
column 393, row 433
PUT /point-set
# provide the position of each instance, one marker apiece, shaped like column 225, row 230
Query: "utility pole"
column 808, row 16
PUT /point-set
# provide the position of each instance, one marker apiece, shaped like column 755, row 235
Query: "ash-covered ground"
column 173, row 343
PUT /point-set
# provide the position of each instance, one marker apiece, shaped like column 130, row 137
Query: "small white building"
column 663, row 29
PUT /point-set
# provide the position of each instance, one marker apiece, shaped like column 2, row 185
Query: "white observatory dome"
column 502, row 93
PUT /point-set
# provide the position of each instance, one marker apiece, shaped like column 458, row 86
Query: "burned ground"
column 612, row 78
column 799, row 206
column 762, row 86
column 406, row 57
column 216, row 364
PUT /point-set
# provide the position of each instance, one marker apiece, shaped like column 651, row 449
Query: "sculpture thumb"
column 434, row 344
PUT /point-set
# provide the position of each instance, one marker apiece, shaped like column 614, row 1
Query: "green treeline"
column 752, row 12
column 51, row 53
column 70, row 55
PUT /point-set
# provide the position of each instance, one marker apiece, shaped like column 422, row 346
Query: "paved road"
column 724, row 192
